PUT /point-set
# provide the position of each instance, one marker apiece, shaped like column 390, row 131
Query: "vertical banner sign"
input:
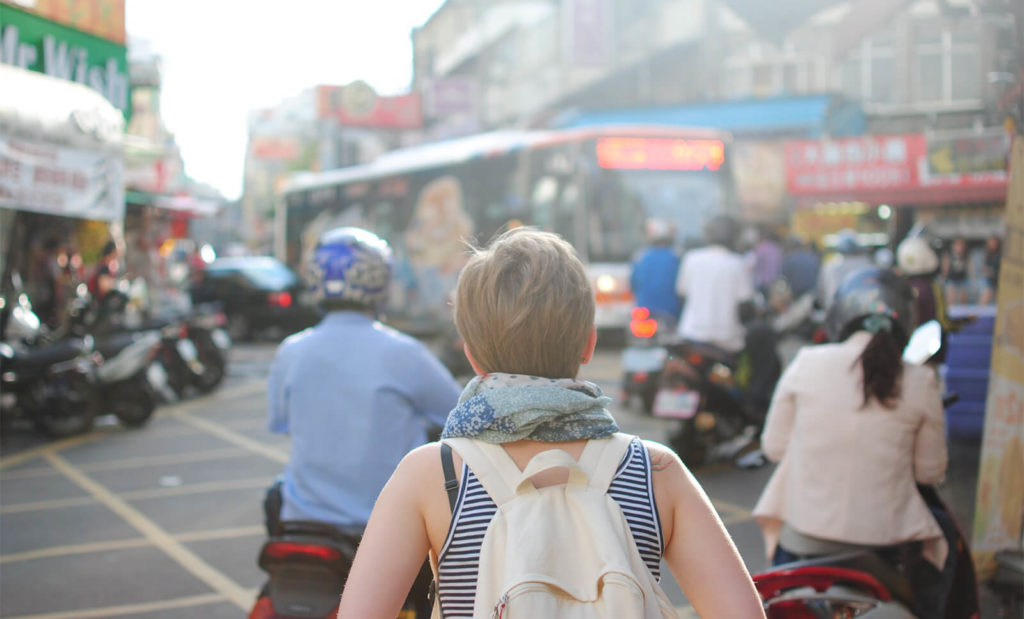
column 999, row 511
column 588, row 40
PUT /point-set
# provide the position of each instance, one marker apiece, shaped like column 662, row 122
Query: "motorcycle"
column 51, row 385
column 130, row 376
column 194, row 352
column 644, row 356
column 862, row 583
column 718, row 396
column 307, row 564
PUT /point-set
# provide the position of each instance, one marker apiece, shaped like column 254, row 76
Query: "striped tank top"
column 459, row 563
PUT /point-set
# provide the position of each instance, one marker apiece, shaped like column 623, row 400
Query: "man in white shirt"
column 717, row 287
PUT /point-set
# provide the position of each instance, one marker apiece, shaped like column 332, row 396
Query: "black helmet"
column 722, row 230
column 870, row 292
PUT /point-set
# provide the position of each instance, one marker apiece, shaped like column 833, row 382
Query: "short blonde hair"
column 524, row 305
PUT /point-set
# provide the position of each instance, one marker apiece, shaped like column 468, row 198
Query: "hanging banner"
column 999, row 510
column 61, row 181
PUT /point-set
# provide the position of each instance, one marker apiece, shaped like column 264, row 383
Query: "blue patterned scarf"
column 502, row 408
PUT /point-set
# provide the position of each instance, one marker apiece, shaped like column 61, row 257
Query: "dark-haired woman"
column 854, row 430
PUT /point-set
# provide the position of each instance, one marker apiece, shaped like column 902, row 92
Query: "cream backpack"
column 562, row 551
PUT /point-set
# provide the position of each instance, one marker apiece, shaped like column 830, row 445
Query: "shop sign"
column 357, row 105
column 968, row 154
column 37, row 44
column 872, row 163
column 61, row 181
column 851, row 164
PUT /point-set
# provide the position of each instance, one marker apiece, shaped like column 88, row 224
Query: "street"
column 166, row 521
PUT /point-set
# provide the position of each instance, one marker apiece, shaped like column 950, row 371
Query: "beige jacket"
column 848, row 474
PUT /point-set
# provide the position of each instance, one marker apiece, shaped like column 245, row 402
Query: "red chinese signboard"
column 356, row 105
column 660, row 154
column 882, row 167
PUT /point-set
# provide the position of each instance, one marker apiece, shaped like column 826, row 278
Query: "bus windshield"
column 625, row 199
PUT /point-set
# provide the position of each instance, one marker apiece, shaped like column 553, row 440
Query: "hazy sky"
column 223, row 58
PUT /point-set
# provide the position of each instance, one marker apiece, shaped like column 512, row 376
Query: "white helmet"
column 915, row 256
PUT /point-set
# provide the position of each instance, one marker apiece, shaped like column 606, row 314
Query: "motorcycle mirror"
column 924, row 343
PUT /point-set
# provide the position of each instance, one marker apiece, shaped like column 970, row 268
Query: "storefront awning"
column 808, row 116
column 183, row 204
column 60, row 148
column 38, row 107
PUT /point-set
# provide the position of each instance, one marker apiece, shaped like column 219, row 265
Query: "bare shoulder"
column 662, row 457
column 419, row 467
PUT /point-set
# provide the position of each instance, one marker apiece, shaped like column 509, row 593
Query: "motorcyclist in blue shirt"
column 653, row 278
column 354, row 395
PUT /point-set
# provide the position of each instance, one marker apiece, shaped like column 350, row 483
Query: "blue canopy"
column 809, row 116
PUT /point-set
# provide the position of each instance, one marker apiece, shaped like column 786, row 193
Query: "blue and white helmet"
column 352, row 265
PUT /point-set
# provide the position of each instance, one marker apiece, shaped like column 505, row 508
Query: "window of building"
column 948, row 63
column 868, row 73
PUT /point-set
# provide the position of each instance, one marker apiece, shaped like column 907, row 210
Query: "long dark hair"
column 882, row 363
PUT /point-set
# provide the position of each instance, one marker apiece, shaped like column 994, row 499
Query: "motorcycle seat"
column 48, row 354
column 864, row 561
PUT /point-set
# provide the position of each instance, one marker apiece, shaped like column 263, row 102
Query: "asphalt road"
column 166, row 521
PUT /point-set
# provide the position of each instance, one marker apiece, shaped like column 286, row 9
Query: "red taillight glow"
column 819, row 578
column 284, row 299
column 282, row 550
column 264, row 609
column 642, row 325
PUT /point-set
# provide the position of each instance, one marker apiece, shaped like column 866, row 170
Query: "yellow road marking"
column 222, row 453
column 75, row 549
column 160, row 538
column 43, row 505
column 225, row 393
column 139, row 542
column 35, row 452
column 231, row 436
column 131, row 609
column 213, row 486
column 134, row 495
column 215, row 534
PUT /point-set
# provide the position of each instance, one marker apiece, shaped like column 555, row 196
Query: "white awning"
column 41, row 108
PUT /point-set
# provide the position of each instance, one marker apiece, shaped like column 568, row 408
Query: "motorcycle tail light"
column 283, row 299
column 695, row 358
column 183, row 332
column 641, row 324
column 640, row 377
column 283, row 550
column 264, row 609
column 220, row 319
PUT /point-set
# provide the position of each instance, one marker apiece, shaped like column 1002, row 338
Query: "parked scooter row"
column 98, row 364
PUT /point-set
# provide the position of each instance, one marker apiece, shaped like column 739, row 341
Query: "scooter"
column 307, row 564
column 700, row 388
column 862, row 584
column 52, row 385
column 644, row 356
column 130, row 377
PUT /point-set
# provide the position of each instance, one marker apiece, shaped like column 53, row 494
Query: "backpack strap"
column 502, row 479
column 496, row 471
column 601, row 458
column 451, row 484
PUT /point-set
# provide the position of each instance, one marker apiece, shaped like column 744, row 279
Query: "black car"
column 258, row 294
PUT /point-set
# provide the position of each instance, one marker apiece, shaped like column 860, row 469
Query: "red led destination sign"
column 660, row 154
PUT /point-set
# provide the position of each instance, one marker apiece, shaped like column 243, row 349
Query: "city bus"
column 596, row 187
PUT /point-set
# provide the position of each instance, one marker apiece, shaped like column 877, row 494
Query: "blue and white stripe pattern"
column 460, row 558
